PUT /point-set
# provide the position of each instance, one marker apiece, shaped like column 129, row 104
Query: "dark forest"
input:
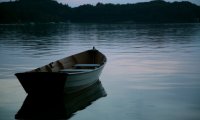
column 44, row 11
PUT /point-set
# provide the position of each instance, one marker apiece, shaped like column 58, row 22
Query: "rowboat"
column 66, row 75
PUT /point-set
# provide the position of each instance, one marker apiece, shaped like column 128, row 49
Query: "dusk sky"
column 74, row 3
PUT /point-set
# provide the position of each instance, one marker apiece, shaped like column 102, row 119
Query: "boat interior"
column 81, row 62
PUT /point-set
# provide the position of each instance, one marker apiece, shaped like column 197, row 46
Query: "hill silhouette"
column 23, row 11
column 42, row 11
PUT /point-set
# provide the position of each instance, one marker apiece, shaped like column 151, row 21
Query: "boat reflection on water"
column 59, row 106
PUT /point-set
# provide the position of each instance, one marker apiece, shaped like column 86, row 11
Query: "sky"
column 75, row 3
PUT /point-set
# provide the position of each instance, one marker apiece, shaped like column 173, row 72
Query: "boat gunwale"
column 83, row 72
column 92, row 70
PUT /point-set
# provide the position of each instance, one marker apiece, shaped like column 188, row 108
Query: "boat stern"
column 42, row 82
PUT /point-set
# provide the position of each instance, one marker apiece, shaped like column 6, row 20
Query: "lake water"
column 153, row 70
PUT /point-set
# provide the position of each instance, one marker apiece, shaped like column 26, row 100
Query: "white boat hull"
column 79, row 81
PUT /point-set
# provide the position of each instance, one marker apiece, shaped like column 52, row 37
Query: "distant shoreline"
column 77, row 5
column 48, row 11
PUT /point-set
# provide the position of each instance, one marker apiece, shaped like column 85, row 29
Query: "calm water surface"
column 153, row 71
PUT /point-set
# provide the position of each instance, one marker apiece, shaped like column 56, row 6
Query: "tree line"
column 42, row 11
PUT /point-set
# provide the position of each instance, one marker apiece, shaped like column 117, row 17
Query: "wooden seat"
column 80, row 68
column 86, row 65
column 74, row 70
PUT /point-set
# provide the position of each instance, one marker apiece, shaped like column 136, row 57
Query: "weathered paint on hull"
column 76, row 82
